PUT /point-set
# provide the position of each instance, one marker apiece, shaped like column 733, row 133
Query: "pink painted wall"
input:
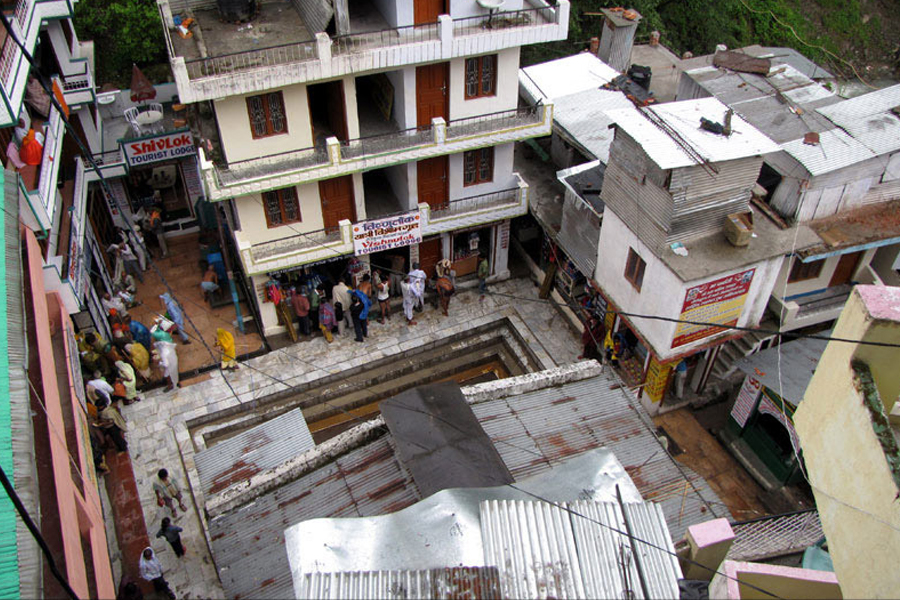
column 68, row 496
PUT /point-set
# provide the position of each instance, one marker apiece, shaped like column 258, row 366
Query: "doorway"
column 432, row 99
column 430, row 252
column 432, row 182
column 338, row 202
column 427, row 11
column 327, row 111
column 845, row 269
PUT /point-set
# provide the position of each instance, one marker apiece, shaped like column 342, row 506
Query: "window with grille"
column 634, row 269
column 281, row 206
column 481, row 76
column 267, row 114
column 478, row 166
column 803, row 271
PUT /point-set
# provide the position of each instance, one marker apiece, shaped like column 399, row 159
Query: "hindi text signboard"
column 718, row 301
column 396, row 231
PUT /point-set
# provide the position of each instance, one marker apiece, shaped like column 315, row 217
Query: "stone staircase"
column 738, row 348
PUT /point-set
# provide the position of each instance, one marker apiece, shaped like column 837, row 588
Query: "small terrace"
column 365, row 153
column 220, row 58
column 38, row 182
column 810, row 309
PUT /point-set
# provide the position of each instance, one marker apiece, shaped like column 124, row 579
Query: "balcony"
column 38, row 183
column 811, row 309
column 14, row 69
column 215, row 70
column 340, row 158
column 78, row 89
column 313, row 246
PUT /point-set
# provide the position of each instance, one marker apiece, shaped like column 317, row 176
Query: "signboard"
column 746, row 401
column 717, row 301
column 657, row 378
column 161, row 147
column 397, row 231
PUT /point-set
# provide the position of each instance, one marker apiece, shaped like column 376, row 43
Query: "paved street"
column 159, row 438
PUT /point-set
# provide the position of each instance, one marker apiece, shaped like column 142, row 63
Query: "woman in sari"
column 225, row 343
column 126, row 372
column 140, row 359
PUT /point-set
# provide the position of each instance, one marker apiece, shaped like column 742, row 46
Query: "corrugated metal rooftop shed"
column 557, row 78
column 441, row 584
column 262, row 447
column 835, row 150
column 684, row 118
column 870, row 119
column 584, row 120
column 785, row 369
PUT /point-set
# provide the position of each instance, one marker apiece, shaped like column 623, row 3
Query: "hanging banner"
column 161, row 147
column 717, row 301
column 397, row 231
column 657, row 379
column 746, row 401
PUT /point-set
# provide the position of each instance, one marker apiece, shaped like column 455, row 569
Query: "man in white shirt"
column 341, row 293
column 417, row 279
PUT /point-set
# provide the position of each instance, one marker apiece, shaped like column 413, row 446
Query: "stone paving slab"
column 159, row 437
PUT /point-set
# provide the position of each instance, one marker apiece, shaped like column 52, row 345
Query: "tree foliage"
column 124, row 32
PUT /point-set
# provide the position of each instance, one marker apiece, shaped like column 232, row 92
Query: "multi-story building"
column 390, row 123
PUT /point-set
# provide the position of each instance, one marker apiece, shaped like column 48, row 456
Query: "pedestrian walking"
column 156, row 227
column 172, row 533
column 383, row 292
column 167, row 492
column 225, row 343
column 483, row 271
column 341, row 295
column 409, row 300
column 445, row 290
column 151, row 570
column 130, row 261
column 301, row 308
column 113, row 424
column 167, row 355
column 176, row 315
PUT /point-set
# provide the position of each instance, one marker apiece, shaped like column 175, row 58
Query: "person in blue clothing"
column 359, row 312
column 139, row 332
column 176, row 314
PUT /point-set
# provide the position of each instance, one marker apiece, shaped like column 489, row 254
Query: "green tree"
column 124, row 32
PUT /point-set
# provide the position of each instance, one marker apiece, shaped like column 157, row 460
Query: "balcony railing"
column 236, row 62
column 388, row 142
column 386, row 38
column 294, row 243
column 110, row 157
column 507, row 119
column 475, row 203
column 544, row 15
column 252, row 168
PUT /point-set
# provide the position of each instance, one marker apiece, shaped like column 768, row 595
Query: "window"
column 634, row 269
column 266, row 115
column 481, row 76
column 801, row 271
column 478, row 166
column 281, row 206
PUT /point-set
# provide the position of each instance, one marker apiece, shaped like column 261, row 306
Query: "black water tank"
column 640, row 75
column 236, row 11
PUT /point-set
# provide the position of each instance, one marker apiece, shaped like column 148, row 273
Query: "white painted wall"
column 469, row 8
column 811, row 285
column 237, row 139
column 503, row 174
column 396, row 12
column 350, row 106
column 662, row 292
column 359, row 197
column 506, row 98
column 252, row 216
column 404, row 109
column 402, row 179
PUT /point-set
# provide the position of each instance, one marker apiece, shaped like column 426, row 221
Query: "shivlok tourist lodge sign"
column 396, row 231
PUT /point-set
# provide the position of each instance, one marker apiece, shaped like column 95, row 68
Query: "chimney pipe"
column 726, row 129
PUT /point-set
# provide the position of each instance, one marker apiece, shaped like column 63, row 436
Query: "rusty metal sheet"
column 744, row 63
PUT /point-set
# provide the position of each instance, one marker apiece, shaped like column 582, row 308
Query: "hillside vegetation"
column 835, row 33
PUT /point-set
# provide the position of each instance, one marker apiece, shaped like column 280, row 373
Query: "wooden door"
column 427, row 11
column 431, row 175
column 337, row 110
column 338, row 203
column 429, row 255
column 845, row 268
column 432, row 98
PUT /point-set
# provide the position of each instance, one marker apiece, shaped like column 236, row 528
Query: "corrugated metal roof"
column 564, row 76
column 583, row 118
column 262, row 447
column 248, row 542
column 447, row 583
column 576, row 551
column 537, row 430
column 836, row 149
column 684, row 118
column 785, row 369
column 872, row 103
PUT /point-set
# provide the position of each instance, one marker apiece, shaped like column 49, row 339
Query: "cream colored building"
column 849, row 442
column 325, row 116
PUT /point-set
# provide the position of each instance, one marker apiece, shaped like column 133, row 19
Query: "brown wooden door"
column 338, row 203
column 337, row 109
column 432, row 99
column 845, row 268
column 431, row 175
column 429, row 255
column 427, row 11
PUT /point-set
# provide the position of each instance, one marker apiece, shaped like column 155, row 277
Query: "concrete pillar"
column 445, row 30
column 266, row 309
column 323, row 51
column 333, row 145
column 708, row 544
column 439, row 127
